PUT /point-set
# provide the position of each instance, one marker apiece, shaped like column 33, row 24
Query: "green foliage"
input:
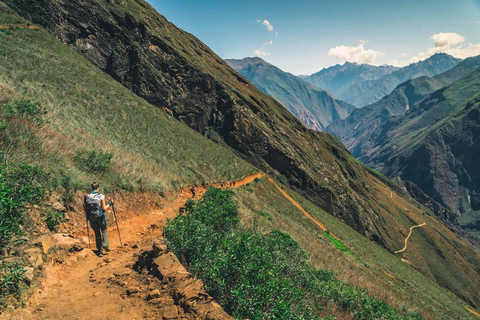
column 11, row 281
column 26, row 109
column 18, row 186
column 264, row 214
column 338, row 244
column 217, row 209
column 261, row 276
column 93, row 161
column 53, row 219
column 6, row 32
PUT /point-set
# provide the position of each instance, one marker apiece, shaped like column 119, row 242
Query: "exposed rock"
column 132, row 290
column 29, row 275
column 34, row 256
column 67, row 242
column 154, row 294
column 170, row 312
column 169, row 266
column 45, row 242
column 123, row 272
column 59, row 207
column 159, row 247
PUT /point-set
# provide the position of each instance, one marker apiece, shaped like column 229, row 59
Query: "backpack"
column 93, row 205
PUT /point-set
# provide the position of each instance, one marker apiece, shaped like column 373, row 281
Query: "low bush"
column 261, row 276
column 53, row 219
column 11, row 282
column 26, row 109
column 93, row 161
column 18, row 186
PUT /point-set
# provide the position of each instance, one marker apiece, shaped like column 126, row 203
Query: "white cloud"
column 405, row 55
column 267, row 24
column 450, row 43
column 261, row 52
column 475, row 22
column 447, row 39
column 355, row 54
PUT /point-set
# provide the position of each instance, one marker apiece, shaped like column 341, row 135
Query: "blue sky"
column 309, row 35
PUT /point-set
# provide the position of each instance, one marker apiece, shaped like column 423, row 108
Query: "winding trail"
column 299, row 207
column 409, row 234
column 81, row 285
column 23, row 26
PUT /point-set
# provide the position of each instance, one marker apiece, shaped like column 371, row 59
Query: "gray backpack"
column 93, row 205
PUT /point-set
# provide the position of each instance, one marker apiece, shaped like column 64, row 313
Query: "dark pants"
column 99, row 226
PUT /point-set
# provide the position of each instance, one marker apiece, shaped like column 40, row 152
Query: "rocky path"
column 409, row 234
column 81, row 285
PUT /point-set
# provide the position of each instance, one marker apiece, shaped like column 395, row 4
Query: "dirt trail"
column 299, row 207
column 409, row 234
column 473, row 312
column 84, row 286
column 22, row 26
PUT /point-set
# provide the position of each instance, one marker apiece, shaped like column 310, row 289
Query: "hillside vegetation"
column 90, row 118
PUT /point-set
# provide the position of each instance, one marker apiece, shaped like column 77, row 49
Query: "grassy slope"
column 87, row 109
column 368, row 265
column 155, row 148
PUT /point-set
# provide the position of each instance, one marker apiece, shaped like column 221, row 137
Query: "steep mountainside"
column 176, row 72
column 363, row 128
column 377, row 89
column 436, row 145
column 315, row 107
column 339, row 78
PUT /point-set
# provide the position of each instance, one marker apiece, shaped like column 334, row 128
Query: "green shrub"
column 93, row 161
column 53, row 219
column 11, row 282
column 217, row 209
column 264, row 214
column 261, row 276
column 27, row 109
column 18, row 186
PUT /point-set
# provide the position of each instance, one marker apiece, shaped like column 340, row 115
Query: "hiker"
column 221, row 184
column 193, row 192
column 95, row 208
column 234, row 183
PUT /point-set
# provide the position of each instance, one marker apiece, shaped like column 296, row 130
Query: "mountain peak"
column 247, row 62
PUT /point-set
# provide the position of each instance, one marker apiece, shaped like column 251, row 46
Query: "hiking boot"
column 106, row 249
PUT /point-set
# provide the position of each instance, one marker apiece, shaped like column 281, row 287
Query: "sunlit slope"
column 87, row 109
column 362, row 263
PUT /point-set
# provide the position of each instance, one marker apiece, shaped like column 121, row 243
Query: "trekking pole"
column 88, row 235
column 116, row 222
column 86, row 218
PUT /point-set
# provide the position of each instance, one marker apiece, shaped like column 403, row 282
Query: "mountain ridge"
column 380, row 81
column 315, row 107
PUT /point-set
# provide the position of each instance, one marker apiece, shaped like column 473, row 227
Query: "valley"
column 111, row 91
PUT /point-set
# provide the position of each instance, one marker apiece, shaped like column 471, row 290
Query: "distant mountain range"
column 426, row 131
column 363, row 84
column 315, row 107
column 339, row 79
